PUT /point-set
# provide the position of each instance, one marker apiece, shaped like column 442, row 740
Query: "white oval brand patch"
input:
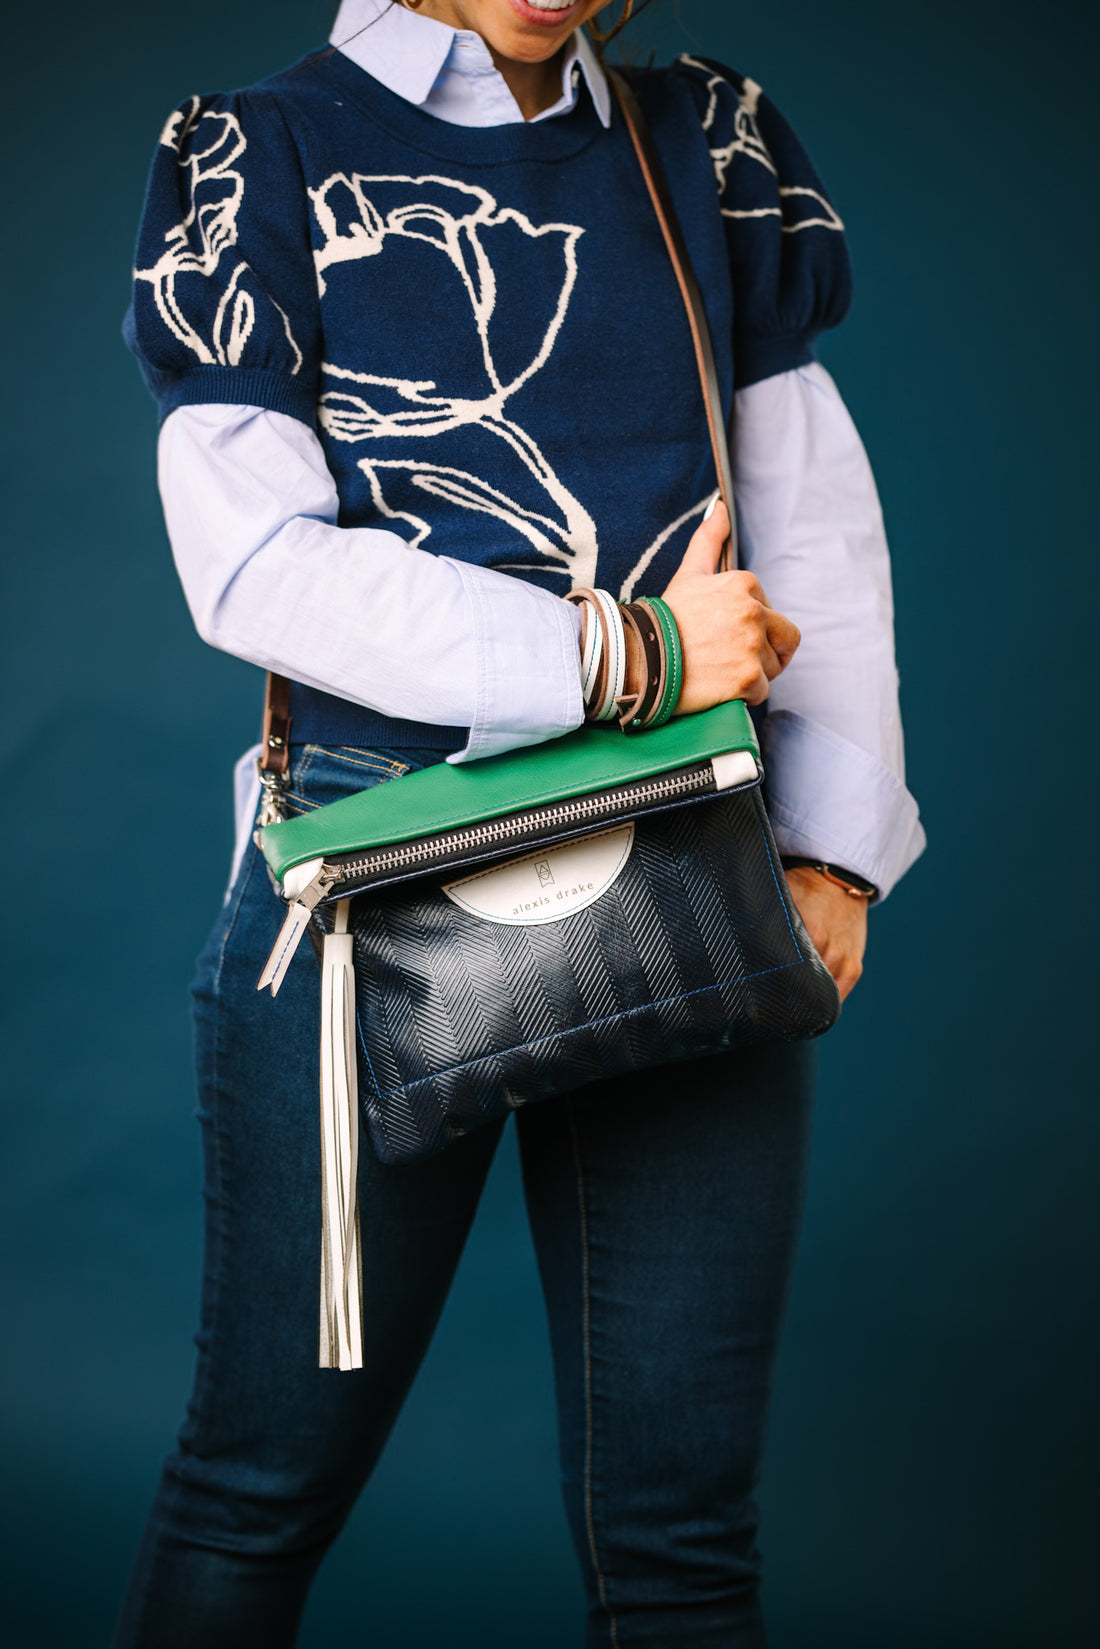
column 546, row 885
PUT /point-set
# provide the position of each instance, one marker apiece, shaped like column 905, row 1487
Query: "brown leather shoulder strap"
column 275, row 742
column 657, row 184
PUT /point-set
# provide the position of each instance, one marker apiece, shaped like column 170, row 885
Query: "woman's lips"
column 546, row 19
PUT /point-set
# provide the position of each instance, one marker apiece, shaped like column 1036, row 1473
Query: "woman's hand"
column 735, row 643
column 835, row 921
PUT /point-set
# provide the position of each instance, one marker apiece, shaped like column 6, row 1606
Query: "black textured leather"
column 695, row 948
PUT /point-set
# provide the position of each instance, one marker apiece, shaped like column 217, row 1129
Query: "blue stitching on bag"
column 366, row 1055
column 782, row 901
column 589, row 1024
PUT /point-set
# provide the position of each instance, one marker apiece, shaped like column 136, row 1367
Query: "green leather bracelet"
column 674, row 655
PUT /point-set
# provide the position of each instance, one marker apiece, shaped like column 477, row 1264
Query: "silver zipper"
column 519, row 827
column 537, row 822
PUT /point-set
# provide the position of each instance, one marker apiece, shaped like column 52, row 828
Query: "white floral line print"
column 453, row 219
column 345, row 418
column 367, row 238
column 215, row 190
column 747, row 141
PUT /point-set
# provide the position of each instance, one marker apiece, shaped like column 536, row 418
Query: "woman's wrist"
column 631, row 659
column 857, row 887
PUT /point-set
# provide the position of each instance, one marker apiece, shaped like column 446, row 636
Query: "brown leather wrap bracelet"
column 636, row 710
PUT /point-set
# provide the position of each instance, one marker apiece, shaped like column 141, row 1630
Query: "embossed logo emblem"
column 550, row 884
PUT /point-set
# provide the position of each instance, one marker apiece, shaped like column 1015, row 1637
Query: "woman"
column 423, row 368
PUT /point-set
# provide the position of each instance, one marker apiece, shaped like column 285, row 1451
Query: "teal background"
column 932, row 1468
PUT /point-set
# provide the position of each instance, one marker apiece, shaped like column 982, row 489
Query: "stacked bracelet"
column 603, row 663
column 592, row 652
column 604, row 654
column 636, row 709
column 673, row 656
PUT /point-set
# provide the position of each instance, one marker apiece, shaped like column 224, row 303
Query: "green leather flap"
column 446, row 796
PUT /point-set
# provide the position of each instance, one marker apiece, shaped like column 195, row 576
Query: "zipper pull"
column 306, row 885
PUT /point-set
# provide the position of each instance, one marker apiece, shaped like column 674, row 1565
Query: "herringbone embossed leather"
column 695, row 948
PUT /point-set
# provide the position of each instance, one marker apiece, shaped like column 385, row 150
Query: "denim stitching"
column 589, row 1517
column 379, row 764
column 302, row 801
column 589, row 1024
column 354, row 755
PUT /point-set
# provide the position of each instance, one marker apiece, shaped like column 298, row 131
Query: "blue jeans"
column 664, row 1208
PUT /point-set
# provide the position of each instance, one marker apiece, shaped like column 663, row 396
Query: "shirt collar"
column 581, row 51
column 407, row 52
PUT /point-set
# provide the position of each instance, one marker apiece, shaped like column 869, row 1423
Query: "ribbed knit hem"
column 322, row 718
column 757, row 358
column 238, row 386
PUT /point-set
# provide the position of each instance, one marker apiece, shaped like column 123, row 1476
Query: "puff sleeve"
column 787, row 249
column 225, row 305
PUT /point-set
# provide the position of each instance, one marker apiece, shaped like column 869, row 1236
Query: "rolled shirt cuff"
column 830, row 799
column 527, row 652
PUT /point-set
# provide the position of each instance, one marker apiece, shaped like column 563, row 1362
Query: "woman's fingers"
column 783, row 636
column 755, row 690
column 771, row 664
column 836, row 923
column 706, row 543
column 773, row 639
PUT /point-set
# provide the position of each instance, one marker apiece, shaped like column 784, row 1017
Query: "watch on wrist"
column 857, row 887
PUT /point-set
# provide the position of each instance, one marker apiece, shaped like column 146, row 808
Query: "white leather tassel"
column 341, row 1263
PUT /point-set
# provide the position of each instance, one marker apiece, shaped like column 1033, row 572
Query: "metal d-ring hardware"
column 274, row 790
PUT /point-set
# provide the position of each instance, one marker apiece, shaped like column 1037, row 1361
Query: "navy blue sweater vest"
column 482, row 324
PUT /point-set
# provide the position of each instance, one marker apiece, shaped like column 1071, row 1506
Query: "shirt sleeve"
column 812, row 531
column 787, row 248
column 251, row 508
column 224, row 305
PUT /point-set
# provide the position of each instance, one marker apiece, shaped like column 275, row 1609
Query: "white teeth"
column 550, row 5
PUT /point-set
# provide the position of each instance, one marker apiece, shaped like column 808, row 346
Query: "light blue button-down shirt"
column 252, row 510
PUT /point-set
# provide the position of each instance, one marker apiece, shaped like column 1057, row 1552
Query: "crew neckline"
column 537, row 140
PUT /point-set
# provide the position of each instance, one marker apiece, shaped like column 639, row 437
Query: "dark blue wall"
column 929, row 1475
